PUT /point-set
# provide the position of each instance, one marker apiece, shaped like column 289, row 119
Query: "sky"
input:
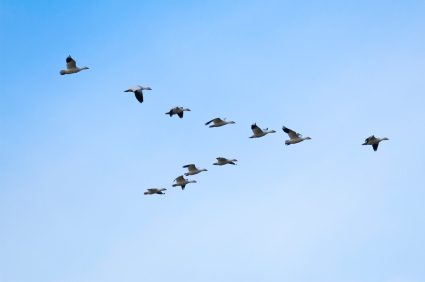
column 77, row 152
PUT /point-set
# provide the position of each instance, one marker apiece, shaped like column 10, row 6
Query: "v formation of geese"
column 294, row 137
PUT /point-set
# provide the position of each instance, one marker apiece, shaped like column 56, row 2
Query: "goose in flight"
column 372, row 140
column 193, row 170
column 258, row 132
column 155, row 191
column 177, row 111
column 138, row 92
column 223, row 161
column 218, row 122
column 71, row 67
column 180, row 181
column 294, row 137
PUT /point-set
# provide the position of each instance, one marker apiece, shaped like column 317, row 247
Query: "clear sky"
column 77, row 153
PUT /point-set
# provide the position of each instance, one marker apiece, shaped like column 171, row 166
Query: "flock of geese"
column 294, row 137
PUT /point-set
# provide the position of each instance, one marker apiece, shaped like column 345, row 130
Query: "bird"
column 223, row 161
column 71, row 67
column 138, row 92
column 294, row 137
column 372, row 140
column 177, row 111
column 258, row 132
column 155, row 191
column 218, row 122
column 193, row 170
column 180, row 181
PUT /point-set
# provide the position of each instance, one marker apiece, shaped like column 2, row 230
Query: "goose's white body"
column 155, row 191
column 193, row 170
column 294, row 137
column 218, row 122
column 258, row 132
column 71, row 67
column 372, row 140
column 177, row 111
column 180, row 181
column 137, row 90
column 224, row 161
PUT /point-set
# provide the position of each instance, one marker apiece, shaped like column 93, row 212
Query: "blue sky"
column 77, row 153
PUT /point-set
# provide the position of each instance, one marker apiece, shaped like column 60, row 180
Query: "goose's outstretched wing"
column 70, row 63
column 180, row 178
column 216, row 120
column 370, row 139
column 256, row 129
column 292, row 134
column 190, row 167
column 139, row 95
column 375, row 146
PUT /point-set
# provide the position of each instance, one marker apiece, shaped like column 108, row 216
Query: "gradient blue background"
column 77, row 153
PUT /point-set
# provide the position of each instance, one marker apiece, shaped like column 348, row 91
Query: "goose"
column 258, row 132
column 372, row 140
column 155, row 191
column 193, row 170
column 138, row 92
column 294, row 137
column 177, row 111
column 223, row 161
column 71, row 67
column 180, row 181
column 218, row 122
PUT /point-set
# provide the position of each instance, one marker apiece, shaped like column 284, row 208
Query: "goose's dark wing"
column 180, row 115
column 375, row 146
column 139, row 95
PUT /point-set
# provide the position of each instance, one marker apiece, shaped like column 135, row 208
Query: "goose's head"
column 287, row 143
column 186, row 109
column 146, row 88
column 162, row 189
column 231, row 122
column 204, row 169
column 193, row 181
column 84, row 68
column 385, row 138
column 62, row 72
column 307, row 138
column 272, row 131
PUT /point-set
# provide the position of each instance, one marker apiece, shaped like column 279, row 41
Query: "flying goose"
column 258, row 132
column 218, row 122
column 372, row 140
column 294, row 137
column 193, row 170
column 71, row 67
column 223, row 161
column 155, row 191
column 177, row 111
column 180, row 181
column 138, row 92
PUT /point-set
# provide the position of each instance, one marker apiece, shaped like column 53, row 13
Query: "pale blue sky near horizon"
column 77, row 153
